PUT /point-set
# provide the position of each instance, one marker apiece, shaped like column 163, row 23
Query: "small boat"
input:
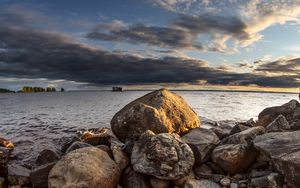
column 117, row 89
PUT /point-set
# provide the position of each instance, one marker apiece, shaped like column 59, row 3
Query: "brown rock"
column 85, row 167
column 120, row 158
column 270, row 114
column 158, row 183
column 160, row 111
column 202, row 170
column 164, row 156
column 234, row 158
column 202, row 141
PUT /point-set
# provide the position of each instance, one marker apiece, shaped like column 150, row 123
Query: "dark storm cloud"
column 283, row 65
column 37, row 54
column 151, row 35
column 183, row 32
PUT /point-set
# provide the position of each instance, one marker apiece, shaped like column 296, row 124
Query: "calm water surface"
column 38, row 120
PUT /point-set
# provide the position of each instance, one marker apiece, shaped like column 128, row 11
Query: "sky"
column 183, row 44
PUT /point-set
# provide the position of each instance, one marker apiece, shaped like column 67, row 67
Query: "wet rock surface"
column 160, row 111
column 165, row 157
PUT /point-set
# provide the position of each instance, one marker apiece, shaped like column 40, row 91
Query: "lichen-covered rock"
column 278, row 125
column 160, row 111
column 85, row 167
column 131, row 179
column 234, row 158
column 164, row 156
column 193, row 183
column 202, row 141
column 284, row 150
column 288, row 110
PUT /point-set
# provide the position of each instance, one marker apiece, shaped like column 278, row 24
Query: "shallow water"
column 38, row 120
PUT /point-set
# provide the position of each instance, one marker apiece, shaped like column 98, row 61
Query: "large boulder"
column 160, row 111
column 289, row 111
column 284, row 150
column 234, row 158
column 164, row 156
column 202, row 141
column 85, row 167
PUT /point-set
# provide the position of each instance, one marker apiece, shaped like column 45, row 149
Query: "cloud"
column 254, row 16
column 284, row 66
column 182, row 33
column 30, row 52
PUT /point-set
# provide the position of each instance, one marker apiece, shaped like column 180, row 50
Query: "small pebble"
column 234, row 185
column 225, row 181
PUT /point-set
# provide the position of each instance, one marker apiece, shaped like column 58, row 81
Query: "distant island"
column 2, row 90
column 30, row 89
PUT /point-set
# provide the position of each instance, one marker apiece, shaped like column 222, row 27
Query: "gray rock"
column 201, row 170
column 132, row 179
column 18, row 175
column 271, row 180
column 225, row 181
column 160, row 111
column 85, row 167
column 202, row 141
column 284, row 150
column 244, row 137
column 234, row 185
column 76, row 145
column 279, row 124
column 39, row 175
column 238, row 128
column 288, row 110
column 222, row 131
column 193, row 183
column 165, row 156
column 234, row 158
column 295, row 126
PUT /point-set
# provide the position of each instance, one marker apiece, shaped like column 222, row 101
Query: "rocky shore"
column 157, row 141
